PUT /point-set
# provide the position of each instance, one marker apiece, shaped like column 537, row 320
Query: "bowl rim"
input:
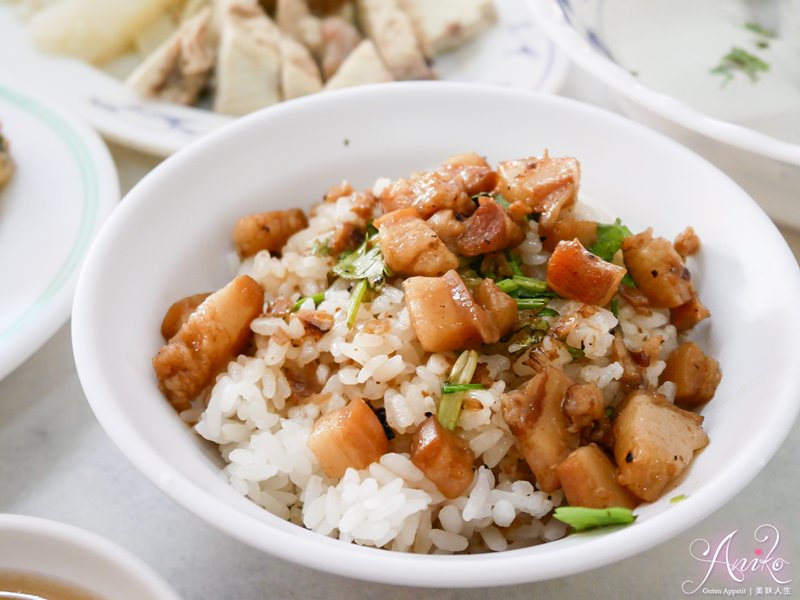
column 551, row 17
column 88, row 542
column 333, row 556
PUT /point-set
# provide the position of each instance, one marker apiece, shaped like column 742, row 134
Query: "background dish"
column 138, row 266
column 64, row 186
column 750, row 133
column 514, row 53
column 78, row 557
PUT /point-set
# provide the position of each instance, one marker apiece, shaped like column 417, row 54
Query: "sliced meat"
column 544, row 185
column 351, row 437
column 488, row 230
column 248, row 59
column 583, row 405
column 445, row 316
column 347, row 236
column 179, row 313
column 340, row 190
column 589, row 479
column 179, row 69
column 657, row 269
column 534, row 415
column 390, row 29
column 215, row 332
column 339, row 39
column 474, row 172
column 444, row 457
column 569, row 229
column 655, row 442
column 428, row 193
column 688, row 314
column 574, row 272
column 267, row 231
column 501, row 308
column 411, row 247
column 687, row 243
column 447, row 226
column 695, row 375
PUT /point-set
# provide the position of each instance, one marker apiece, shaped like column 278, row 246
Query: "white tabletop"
column 56, row 462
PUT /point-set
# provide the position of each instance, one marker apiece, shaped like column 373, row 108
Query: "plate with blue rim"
column 515, row 53
column 63, row 186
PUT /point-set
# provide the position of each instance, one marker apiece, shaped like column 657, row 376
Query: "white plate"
column 64, row 186
column 514, row 53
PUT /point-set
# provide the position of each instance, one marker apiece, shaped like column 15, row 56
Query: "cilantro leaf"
column 364, row 263
column 609, row 240
column 581, row 519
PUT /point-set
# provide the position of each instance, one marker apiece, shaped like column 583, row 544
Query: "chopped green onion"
column 450, row 410
column 628, row 280
column 615, row 306
column 529, row 284
column 355, row 301
column 576, row 353
column 678, row 498
column 548, row 312
column 609, row 411
column 464, row 367
column 531, row 303
column 609, row 240
column 317, row 298
column 454, row 388
column 536, row 337
column 321, row 247
column 507, row 285
column 515, row 263
column 759, row 30
column 501, row 200
column 739, row 59
column 581, row 519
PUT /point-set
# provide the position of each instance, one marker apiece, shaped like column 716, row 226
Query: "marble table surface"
column 56, row 462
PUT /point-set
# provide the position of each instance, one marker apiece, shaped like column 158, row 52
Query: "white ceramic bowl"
column 66, row 553
column 591, row 32
column 171, row 237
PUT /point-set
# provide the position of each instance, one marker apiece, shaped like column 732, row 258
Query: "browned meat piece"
column 534, row 415
column 657, row 269
column 445, row 316
column 688, row 314
column 695, row 375
column 687, row 243
column 488, row 230
column 302, row 380
column 338, row 191
column 339, row 38
column 411, row 247
column 569, row 229
column 363, row 204
column 544, row 185
column 179, row 313
column 574, row 272
column 428, row 193
column 215, row 332
column 346, row 236
column 589, row 479
column 475, row 174
column 583, row 405
column 318, row 319
column 501, row 307
column 267, row 231
column 633, row 374
column 349, row 437
column 636, row 299
column 443, row 456
column 280, row 307
column 447, row 226
column 655, row 442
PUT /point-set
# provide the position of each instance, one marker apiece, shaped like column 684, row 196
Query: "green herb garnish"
column 678, row 498
column 507, row 285
column 615, row 306
column 531, row 303
column 760, row 30
column 548, row 312
column 609, row 412
column 356, row 299
column 317, row 298
column 528, row 284
column 575, row 353
column 364, row 263
column 321, row 247
column 581, row 519
column 500, row 199
column 454, row 388
column 609, row 240
column 515, row 264
column 739, row 59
